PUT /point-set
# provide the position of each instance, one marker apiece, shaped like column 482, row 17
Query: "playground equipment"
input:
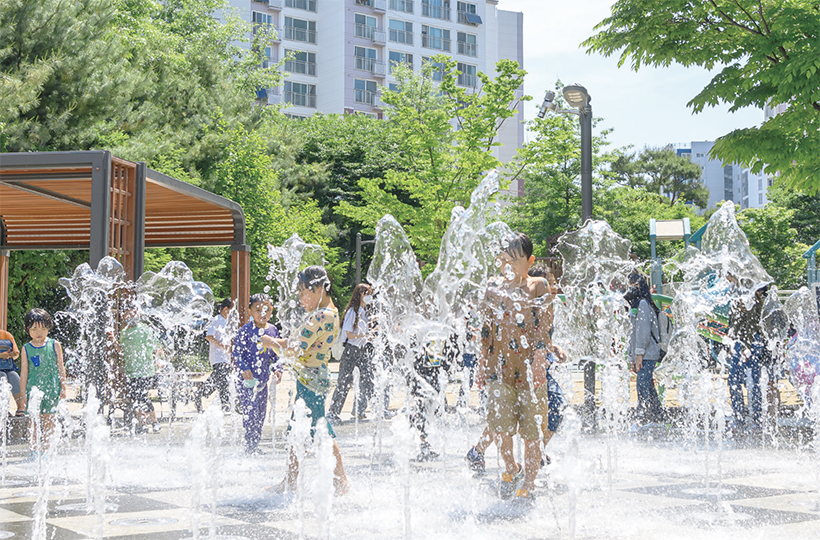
column 812, row 273
column 666, row 230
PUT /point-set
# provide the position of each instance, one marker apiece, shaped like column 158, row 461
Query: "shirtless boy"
column 514, row 346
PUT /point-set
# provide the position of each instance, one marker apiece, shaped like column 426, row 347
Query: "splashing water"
column 287, row 260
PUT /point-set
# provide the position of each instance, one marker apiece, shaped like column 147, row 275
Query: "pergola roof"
column 112, row 207
column 46, row 203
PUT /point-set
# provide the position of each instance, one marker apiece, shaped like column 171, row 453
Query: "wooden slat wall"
column 123, row 213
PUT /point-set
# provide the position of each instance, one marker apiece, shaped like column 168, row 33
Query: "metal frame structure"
column 111, row 207
column 812, row 272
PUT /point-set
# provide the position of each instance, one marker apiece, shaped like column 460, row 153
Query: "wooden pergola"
column 111, row 207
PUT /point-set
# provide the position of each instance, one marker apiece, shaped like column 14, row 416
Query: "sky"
column 645, row 108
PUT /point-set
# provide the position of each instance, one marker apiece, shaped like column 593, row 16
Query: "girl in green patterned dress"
column 41, row 366
column 311, row 347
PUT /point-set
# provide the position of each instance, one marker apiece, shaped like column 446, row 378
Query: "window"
column 467, row 44
column 302, row 62
column 365, row 91
column 267, row 62
column 307, row 5
column 760, row 184
column 397, row 57
column 365, row 26
column 467, row 76
column 365, row 58
column 401, row 31
column 296, row 116
column 402, row 5
column 300, row 94
column 393, row 87
column 435, row 38
column 466, row 13
column 698, row 155
column 262, row 22
column 438, row 68
column 300, row 30
column 760, row 199
column 368, row 3
column 436, row 9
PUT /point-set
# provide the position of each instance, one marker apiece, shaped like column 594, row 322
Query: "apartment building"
column 727, row 181
column 343, row 50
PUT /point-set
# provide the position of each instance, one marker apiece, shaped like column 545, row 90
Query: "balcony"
column 370, row 65
column 469, row 18
column 399, row 36
column 435, row 12
column 275, row 4
column 300, row 34
column 366, row 97
column 437, row 43
column 468, row 49
column 274, row 98
column 301, row 66
column 300, row 100
column 402, row 5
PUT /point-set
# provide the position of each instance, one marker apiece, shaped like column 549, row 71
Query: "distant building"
column 727, row 182
column 344, row 50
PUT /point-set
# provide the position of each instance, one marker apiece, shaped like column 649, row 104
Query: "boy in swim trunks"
column 514, row 346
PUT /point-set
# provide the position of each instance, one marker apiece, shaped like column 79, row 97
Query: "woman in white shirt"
column 356, row 355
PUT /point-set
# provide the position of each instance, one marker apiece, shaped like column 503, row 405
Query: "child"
column 312, row 343
column 515, row 342
column 8, row 354
column 219, row 354
column 556, row 401
column 42, row 366
column 254, row 359
column 139, row 345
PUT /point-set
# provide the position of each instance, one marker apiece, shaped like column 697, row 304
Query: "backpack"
column 665, row 331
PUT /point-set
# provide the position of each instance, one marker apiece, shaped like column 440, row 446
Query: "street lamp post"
column 578, row 98
column 359, row 243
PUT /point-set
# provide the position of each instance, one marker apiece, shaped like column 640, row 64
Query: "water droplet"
column 524, row 343
column 519, row 318
column 267, row 288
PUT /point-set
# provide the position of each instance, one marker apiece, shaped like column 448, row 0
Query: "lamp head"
column 577, row 96
column 548, row 104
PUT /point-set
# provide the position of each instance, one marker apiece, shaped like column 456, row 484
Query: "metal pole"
column 358, row 258
column 585, row 118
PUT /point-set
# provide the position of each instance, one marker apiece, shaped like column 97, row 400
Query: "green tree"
column 446, row 136
column 551, row 160
column 806, row 208
column 628, row 211
column 247, row 177
column 662, row 171
column 772, row 240
column 767, row 54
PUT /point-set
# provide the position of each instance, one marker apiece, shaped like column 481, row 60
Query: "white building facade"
column 727, row 182
column 343, row 50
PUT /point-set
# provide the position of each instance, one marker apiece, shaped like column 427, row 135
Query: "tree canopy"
column 765, row 53
column 662, row 171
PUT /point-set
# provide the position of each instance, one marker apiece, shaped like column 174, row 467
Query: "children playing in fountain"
column 311, row 345
column 556, row 401
column 515, row 342
column 254, row 357
column 42, row 368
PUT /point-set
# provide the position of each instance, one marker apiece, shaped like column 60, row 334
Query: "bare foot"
column 342, row 486
column 281, row 487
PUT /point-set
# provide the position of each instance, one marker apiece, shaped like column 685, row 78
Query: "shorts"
column 508, row 408
column 315, row 404
column 51, row 398
column 13, row 378
column 138, row 392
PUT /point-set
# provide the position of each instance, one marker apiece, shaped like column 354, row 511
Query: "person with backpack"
column 644, row 350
